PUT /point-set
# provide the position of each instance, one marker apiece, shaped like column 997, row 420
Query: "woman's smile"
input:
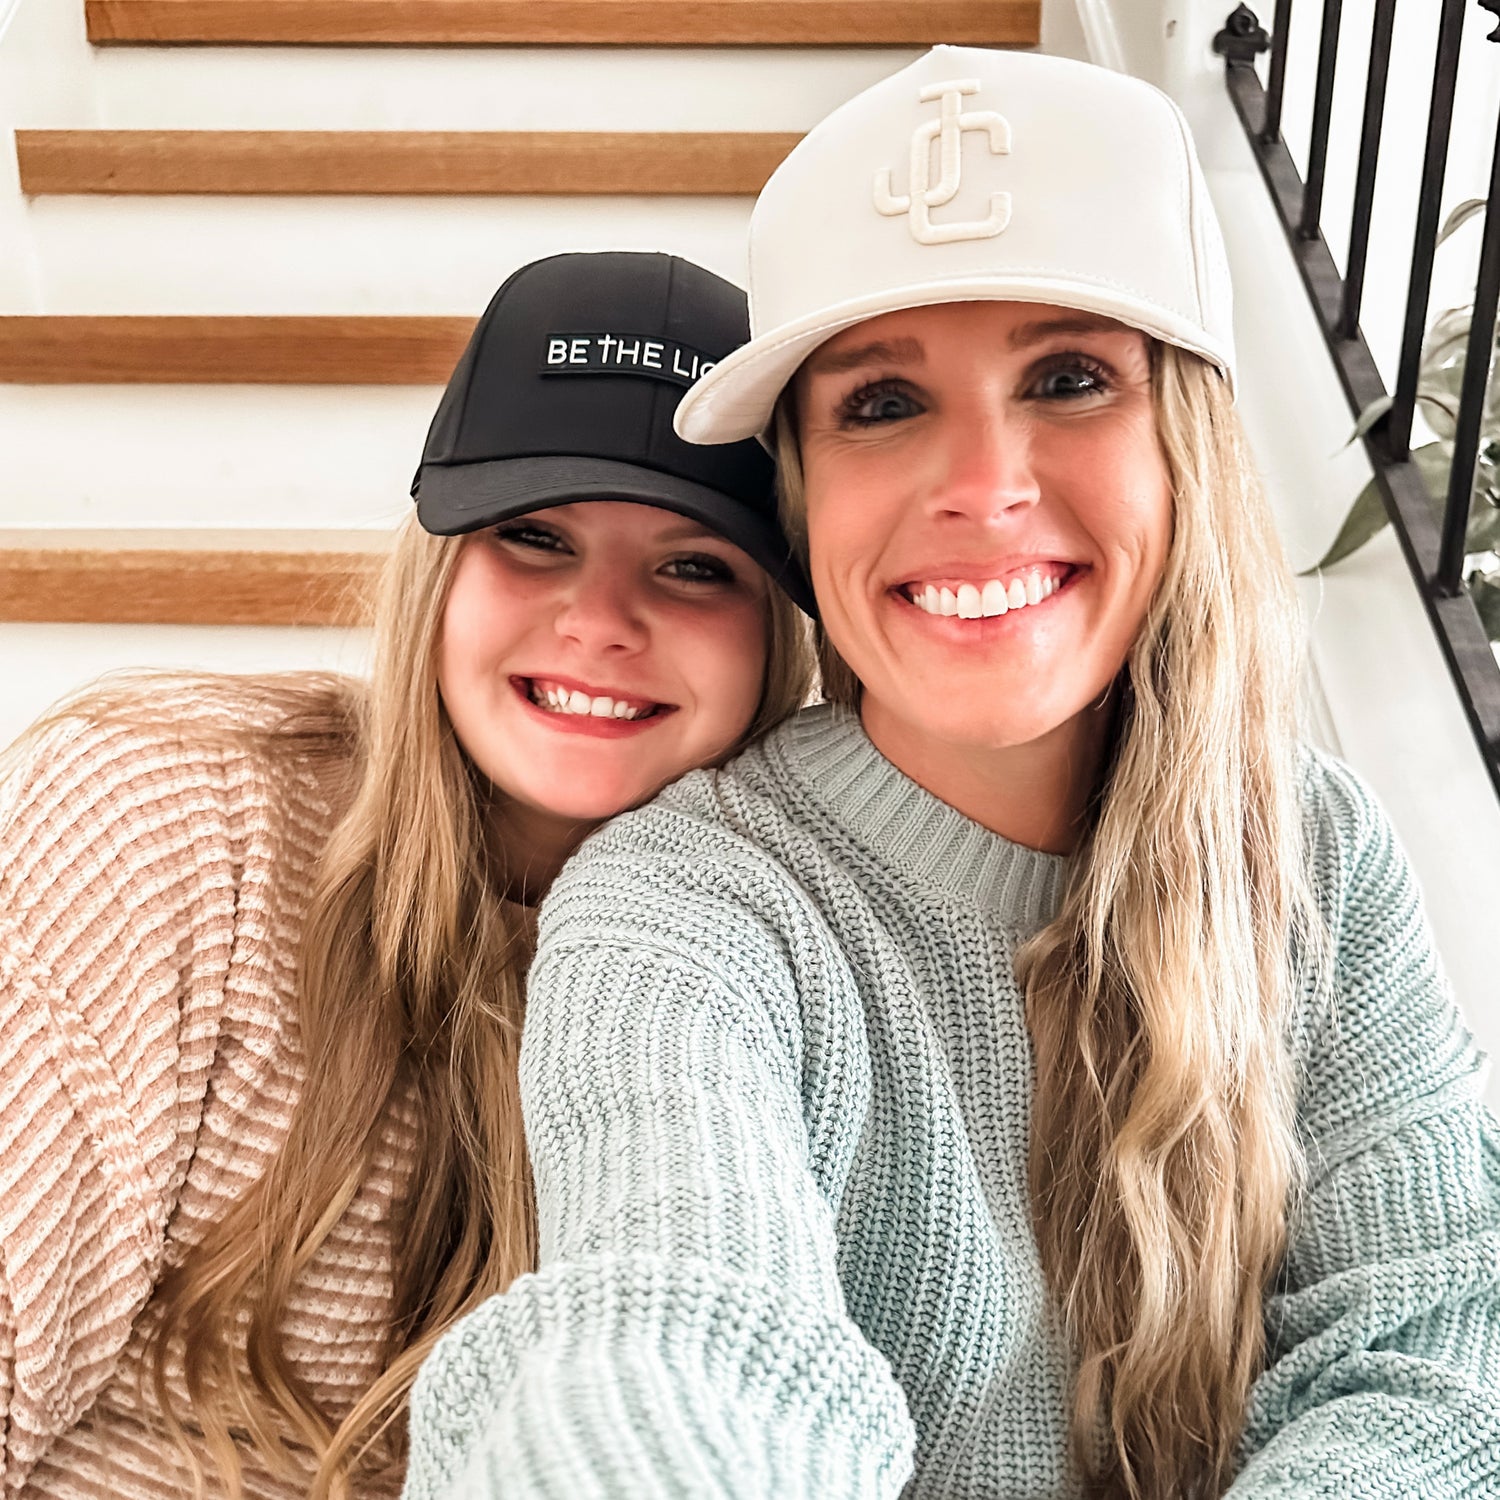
column 986, row 593
column 988, row 519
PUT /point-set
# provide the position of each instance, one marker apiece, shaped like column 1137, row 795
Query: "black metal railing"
column 1434, row 546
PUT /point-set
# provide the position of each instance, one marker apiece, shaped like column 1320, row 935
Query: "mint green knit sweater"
column 777, row 1076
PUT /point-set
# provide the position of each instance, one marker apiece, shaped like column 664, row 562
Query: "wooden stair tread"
column 635, row 23
column 398, row 161
column 188, row 577
column 41, row 349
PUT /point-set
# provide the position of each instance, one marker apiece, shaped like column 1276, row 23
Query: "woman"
column 1030, row 1074
column 263, row 941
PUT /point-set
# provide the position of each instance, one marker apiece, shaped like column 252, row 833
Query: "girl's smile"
column 592, row 652
column 579, row 708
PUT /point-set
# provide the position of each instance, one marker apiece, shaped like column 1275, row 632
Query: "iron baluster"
column 1397, row 427
column 1471, row 400
column 1455, row 621
column 1281, row 30
column 1317, row 150
column 1364, row 176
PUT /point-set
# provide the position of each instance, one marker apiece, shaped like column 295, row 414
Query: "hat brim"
column 453, row 499
column 736, row 398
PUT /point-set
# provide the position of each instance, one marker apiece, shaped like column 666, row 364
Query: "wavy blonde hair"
column 411, row 991
column 1164, row 1159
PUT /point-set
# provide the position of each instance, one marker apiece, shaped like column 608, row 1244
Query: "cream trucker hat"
column 975, row 175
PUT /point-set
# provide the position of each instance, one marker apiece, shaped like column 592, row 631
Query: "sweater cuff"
column 1411, row 1439
column 639, row 1376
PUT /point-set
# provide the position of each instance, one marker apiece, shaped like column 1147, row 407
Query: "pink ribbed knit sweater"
column 152, row 895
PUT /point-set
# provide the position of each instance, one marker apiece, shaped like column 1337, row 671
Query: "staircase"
column 243, row 241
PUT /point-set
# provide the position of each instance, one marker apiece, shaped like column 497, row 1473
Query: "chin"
column 597, row 804
column 980, row 727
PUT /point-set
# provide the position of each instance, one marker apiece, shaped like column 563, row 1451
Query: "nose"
column 602, row 611
column 988, row 472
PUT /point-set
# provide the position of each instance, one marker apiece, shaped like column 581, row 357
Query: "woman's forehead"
column 903, row 336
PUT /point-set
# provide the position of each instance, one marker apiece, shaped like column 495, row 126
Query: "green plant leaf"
column 1366, row 518
column 1433, row 461
column 1485, row 592
column 1372, row 413
column 1460, row 216
column 1484, row 530
column 1448, row 334
column 1440, row 378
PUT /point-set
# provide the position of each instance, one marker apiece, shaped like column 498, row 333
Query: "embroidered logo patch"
column 623, row 354
column 923, row 195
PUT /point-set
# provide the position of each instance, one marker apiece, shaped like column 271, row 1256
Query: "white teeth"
column 562, row 701
column 972, row 601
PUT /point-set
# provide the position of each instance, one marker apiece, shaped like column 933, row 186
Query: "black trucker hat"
column 567, row 392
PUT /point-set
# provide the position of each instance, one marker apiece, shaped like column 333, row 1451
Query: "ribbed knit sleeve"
column 117, row 905
column 1384, row 1381
column 686, row 1334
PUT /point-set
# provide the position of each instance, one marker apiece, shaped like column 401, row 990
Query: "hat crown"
column 567, row 391
column 587, row 353
column 975, row 174
column 969, row 161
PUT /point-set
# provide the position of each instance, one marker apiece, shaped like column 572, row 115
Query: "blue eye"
column 529, row 534
column 871, row 405
column 700, row 568
column 1071, row 379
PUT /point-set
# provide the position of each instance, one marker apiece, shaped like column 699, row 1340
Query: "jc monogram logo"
column 923, row 194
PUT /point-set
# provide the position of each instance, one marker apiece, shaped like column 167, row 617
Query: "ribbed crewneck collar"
column 914, row 833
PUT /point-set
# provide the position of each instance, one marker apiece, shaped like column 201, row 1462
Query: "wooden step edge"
column 287, row 162
column 587, row 23
column 43, row 349
column 188, row 577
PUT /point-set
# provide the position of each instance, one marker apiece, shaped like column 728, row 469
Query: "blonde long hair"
column 1164, row 1159
column 410, row 991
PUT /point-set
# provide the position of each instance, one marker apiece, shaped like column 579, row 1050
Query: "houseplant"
column 1439, row 383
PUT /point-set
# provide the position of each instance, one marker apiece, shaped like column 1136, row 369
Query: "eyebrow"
column 910, row 351
column 882, row 351
column 1026, row 334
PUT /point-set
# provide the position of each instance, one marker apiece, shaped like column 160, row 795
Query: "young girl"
column 263, row 940
column 1028, row 1075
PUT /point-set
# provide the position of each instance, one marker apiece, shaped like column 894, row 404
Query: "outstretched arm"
column 685, row 1334
column 1384, row 1381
